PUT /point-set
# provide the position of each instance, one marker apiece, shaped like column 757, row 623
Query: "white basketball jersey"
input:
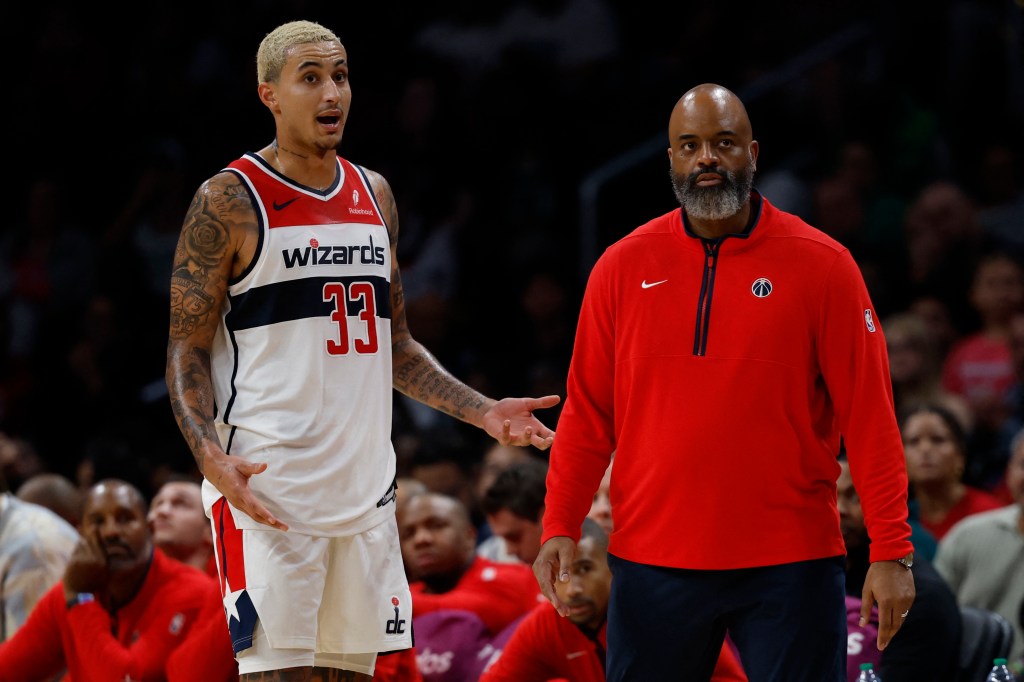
column 302, row 358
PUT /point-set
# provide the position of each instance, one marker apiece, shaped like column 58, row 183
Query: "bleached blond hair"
column 273, row 52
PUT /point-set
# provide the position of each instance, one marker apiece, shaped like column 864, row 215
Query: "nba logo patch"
column 761, row 287
column 868, row 320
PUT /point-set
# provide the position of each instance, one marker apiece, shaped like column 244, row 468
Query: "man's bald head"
column 711, row 100
column 114, row 487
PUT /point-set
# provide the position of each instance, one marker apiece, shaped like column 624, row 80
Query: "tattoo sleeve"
column 202, row 266
column 416, row 372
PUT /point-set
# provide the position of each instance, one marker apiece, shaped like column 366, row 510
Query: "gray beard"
column 713, row 203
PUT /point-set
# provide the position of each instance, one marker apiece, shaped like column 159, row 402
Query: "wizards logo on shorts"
column 395, row 626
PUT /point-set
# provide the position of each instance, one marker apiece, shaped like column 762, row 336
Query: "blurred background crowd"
column 520, row 137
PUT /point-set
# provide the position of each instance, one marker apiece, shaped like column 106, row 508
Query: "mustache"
column 727, row 176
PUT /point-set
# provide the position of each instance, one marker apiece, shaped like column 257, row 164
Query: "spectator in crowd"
column 938, row 318
column 514, row 505
column 55, row 492
column 929, row 642
column 182, row 531
column 496, row 458
column 407, row 488
column 460, row 600
column 1001, row 188
column 35, row 545
column 180, row 527
column 438, row 544
column 915, row 365
column 979, row 367
column 546, row 646
column 443, row 461
column 941, row 236
column 19, row 459
column 936, row 450
column 601, row 507
column 1013, row 402
column 982, row 555
column 122, row 606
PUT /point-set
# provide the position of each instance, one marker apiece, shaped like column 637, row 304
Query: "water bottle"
column 999, row 673
column 867, row 673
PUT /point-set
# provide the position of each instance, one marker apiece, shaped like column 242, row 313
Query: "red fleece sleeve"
column 35, row 651
column 855, row 365
column 586, row 430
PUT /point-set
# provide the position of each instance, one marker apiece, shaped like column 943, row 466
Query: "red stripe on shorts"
column 229, row 549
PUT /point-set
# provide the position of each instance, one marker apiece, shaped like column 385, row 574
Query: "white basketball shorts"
column 295, row 600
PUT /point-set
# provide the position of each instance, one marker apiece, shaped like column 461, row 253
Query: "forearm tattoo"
column 199, row 279
column 419, row 375
column 416, row 372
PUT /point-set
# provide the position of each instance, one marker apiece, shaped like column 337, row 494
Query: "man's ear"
column 268, row 96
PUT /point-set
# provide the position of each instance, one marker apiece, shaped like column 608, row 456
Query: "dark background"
column 513, row 161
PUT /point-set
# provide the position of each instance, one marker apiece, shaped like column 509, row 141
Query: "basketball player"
column 722, row 352
column 288, row 332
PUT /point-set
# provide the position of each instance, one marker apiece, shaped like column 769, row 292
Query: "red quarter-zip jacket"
column 723, row 375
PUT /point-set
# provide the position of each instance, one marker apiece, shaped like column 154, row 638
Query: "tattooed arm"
column 215, row 240
column 419, row 375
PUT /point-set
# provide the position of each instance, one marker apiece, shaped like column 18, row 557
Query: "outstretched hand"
column 230, row 475
column 510, row 421
column 892, row 587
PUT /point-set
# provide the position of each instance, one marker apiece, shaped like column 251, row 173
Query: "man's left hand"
column 891, row 586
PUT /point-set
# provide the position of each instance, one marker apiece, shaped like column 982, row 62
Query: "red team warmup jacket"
column 546, row 646
column 722, row 375
column 134, row 644
column 497, row 592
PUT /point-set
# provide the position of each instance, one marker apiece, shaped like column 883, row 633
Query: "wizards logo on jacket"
column 345, row 254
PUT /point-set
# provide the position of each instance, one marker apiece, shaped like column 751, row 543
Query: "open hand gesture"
column 510, row 421
column 230, row 475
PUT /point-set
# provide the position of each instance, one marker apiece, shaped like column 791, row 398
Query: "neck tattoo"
column 280, row 164
column 286, row 151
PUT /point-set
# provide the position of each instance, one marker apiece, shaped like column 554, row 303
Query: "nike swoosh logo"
column 647, row 285
column 575, row 654
column 278, row 207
